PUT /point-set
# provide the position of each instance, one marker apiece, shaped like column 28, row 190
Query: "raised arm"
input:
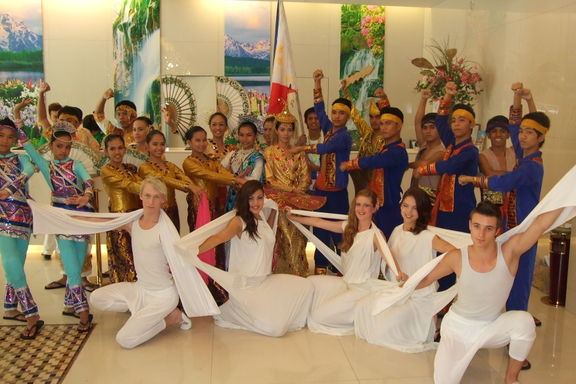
column 520, row 243
column 99, row 109
column 332, row 226
column 41, row 108
column 234, row 228
column 420, row 112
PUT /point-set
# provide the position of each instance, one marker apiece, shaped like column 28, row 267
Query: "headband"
column 341, row 107
column 463, row 113
column 126, row 108
column 491, row 126
column 389, row 116
column 8, row 127
column 374, row 110
column 529, row 123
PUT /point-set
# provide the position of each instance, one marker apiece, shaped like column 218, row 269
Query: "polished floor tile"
column 208, row 354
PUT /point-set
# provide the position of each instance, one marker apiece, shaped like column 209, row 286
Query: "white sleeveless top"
column 252, row 257
column 361, row 262
column 150, row 262
column 482, row 295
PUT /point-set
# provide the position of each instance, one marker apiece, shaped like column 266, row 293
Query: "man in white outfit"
column 485, row 271
column 153, row 299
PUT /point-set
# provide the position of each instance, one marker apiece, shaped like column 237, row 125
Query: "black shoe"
column 537, row 321
column 47, row 256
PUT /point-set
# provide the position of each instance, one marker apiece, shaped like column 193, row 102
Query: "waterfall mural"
column 362, row 40
column 21, row 59
column 136, row 33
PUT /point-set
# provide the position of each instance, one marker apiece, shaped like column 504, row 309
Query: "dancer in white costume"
column 259, row 301
column 335, row 298
column 408, row 327
column 485, row 273
column 162, row 278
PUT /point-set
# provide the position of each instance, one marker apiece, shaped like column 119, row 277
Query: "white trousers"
column 462, row 338
column 148, row 309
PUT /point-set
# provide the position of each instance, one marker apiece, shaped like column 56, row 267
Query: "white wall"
column 515, row 40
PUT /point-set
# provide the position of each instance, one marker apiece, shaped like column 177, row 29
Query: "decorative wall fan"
column 180, row 103
column 231, row 100
column 79, row 152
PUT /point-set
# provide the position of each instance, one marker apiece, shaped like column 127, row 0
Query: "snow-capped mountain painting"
column 257, row 50
column 15, row 36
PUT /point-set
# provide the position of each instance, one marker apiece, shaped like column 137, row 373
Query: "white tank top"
column 482, row 295
column 150, row 262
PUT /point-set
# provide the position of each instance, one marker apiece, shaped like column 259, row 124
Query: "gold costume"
column 174, row 178
column 370, row 144
column 209, row 175
column 288, row 173
column 123, row 188
column 212, row 150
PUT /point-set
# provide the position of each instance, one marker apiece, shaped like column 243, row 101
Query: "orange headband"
column 465, row 114
column 389, row 116
column 341, row 107
column 126, row 108
column 529, row 123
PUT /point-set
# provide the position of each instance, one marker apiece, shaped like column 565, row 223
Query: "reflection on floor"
column 209, row 354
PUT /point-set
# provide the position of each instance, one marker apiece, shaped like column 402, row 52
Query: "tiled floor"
column 209, row 354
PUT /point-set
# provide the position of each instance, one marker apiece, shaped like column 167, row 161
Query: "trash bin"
column 559, row 255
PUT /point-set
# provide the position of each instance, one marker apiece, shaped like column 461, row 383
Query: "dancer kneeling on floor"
column 335, row 298
column 163, row 278
column 259, row 301
column 485, row 271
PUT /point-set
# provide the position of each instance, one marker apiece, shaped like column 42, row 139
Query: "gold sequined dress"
column 287, row 172
column 122, row 184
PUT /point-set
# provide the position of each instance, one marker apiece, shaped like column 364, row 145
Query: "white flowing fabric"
column 259, row 302
column 196, row 298
column 335, row 298
column 397, row 302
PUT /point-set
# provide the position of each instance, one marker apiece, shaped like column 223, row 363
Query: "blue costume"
column 247, row 166
column 524, row 184
column 331, row 182
column 67, row 178
column 389, row 166
column 15, row 228
column 454, row 202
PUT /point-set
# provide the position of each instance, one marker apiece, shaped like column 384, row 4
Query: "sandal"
column 34, row 329
column 85, row 327
column 17, row 317
column 526, row 365
column 55, row 285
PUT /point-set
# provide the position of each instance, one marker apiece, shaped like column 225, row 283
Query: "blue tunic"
column 454, row 202
column 390, row 165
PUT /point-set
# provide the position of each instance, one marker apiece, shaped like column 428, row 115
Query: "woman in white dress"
column 335, row 298
column 259, row 301
column 408, row 327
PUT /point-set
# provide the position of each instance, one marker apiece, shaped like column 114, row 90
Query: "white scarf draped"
column 196, row 298
column 188, row 248
column 329, row 253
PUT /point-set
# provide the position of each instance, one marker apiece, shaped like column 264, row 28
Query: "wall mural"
column 21, row 59
column 136, row 33
column 362, row 38
column 247, row 50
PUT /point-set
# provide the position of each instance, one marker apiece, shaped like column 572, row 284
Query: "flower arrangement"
column 373, row 27
column 448, row 67
column 13, row 92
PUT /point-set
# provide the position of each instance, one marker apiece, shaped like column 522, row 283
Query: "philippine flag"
column 283, row 81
